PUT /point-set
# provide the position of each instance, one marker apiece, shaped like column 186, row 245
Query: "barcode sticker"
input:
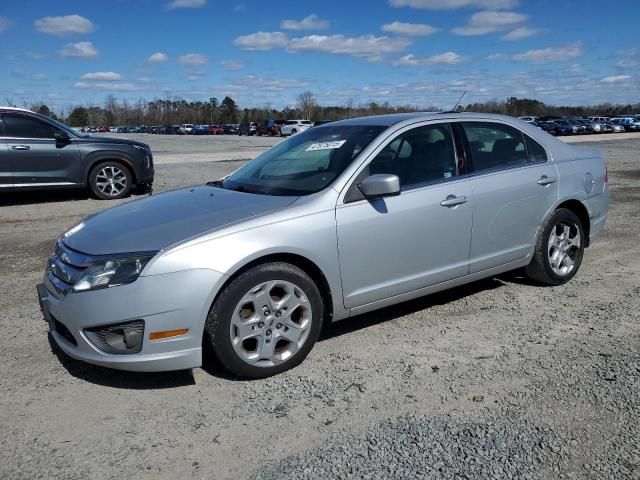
column 325, row 146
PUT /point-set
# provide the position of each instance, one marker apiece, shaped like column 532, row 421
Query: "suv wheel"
column 110, row 180
column 559, row 249
column 265, row 321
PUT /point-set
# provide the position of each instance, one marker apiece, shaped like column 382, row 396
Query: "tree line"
column 212, row 111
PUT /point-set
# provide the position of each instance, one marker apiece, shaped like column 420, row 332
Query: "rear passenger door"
column 6, row 173
column 514, row 186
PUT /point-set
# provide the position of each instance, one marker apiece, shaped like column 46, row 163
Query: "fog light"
column 121, row 338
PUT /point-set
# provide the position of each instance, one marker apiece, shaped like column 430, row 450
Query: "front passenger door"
column 35, row 157
column 397, row 244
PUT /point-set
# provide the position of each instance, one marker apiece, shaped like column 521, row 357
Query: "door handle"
column 20, row 147
column 452, row 201
column 544, row 180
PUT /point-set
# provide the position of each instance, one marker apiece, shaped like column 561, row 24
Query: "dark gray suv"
column 37, row 152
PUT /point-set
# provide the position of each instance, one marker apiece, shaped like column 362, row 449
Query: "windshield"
column 65, row 128
column 305, row 163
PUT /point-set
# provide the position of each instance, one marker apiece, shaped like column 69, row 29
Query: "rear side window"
column 535, row 150
column 494, row 145
column 25, row 127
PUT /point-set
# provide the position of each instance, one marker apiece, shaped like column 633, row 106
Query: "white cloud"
column 66, row 25
column 158, row 57
column 311, row 22
column 193, row 59
column 454, row 4
column 106, row 76
column 366, row 46
column 252, row 82
column 33, row 56
column 616, row 79
column 482, row 23
column 110, row 86
column 410, row 29
column 261, row 41
column 519, row 33
column 448, row 58
column 5, row 23
column 232, row 64
column 548, row 55
column 186, row 4
column 496, row 56
column 79, row 50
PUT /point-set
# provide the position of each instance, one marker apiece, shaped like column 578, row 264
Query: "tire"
column 100, row 185
column 294, row 131
column 276, row 345
column 559, row 249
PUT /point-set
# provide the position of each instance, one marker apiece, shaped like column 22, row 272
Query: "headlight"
column 111, row 272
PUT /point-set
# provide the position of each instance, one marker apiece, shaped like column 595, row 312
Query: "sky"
column 423, row 53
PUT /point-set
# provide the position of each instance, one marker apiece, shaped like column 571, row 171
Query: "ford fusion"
column 338, row 220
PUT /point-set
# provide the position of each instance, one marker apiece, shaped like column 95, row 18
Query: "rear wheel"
column 265, row 321
column 110, row 180
column 559, row 249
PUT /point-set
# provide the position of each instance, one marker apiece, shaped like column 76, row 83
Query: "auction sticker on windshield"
column 325, row 146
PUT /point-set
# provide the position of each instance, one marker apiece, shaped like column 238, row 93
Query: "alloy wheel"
column 270, row 323
column 111, row 181
column 563, row 246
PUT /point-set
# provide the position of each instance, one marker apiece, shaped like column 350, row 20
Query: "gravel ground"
column 497, row 379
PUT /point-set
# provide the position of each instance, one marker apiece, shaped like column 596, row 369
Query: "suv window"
column 17, row 126
column 495, row 145
column 419, row 156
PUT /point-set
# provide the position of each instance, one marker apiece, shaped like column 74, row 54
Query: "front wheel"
column 559, row 249
column 265, row 321
column 110, row 180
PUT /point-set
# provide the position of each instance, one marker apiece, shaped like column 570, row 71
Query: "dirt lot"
column 498, row 379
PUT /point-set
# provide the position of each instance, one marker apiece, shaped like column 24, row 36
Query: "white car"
column 186, row 129
column 294, row 126
column 529, row 119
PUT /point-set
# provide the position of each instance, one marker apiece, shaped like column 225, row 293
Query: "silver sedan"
column 338, row 220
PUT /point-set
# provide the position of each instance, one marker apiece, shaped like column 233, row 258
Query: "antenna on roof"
column 453, row 110
column 459, row 100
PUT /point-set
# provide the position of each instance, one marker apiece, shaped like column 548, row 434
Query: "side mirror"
column 380, row 185
column 61, row 137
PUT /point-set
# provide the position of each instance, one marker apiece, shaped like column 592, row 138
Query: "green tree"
column 79, row 117
column 44, row 110
column 228, row 110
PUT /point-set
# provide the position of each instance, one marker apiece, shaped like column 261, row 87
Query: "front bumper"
column 164, row 302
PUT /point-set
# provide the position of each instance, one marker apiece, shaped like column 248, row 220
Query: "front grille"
column 61, row 329
column 66, row 264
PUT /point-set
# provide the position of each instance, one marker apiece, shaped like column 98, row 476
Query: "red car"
column 215, row 130
column 269, row 127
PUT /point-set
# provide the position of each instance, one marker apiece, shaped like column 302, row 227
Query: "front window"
column 304, row 164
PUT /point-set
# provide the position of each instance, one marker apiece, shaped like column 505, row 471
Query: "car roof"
column 14, row 109
column 395, row 118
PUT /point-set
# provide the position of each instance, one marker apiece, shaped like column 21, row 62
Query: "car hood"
column 109, row 140
column 159, row 221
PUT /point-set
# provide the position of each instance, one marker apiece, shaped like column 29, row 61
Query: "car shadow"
column 109, row 377
column 36, row 197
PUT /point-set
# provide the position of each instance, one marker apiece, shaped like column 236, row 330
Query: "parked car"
column 201, row 130
column 269, row 127
column 42, row 153
column 113, row 129
column 337, row 221
column 614, row 127
column 247, row 128
column 186, row 129
column 295, row 126
column 215, row 130
column 317, row 123
column 630, row 124
column 231, row 129
column 103, row 129
column 563, row 127
column 549, row 127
